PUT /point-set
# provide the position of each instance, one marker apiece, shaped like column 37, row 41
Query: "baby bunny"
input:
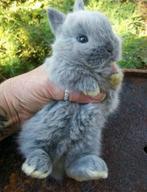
column 65, row 137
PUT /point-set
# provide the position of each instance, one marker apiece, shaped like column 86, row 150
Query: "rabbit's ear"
column 79, row 5
column 56, row 19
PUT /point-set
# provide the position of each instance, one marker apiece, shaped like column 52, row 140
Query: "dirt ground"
column 124, row 150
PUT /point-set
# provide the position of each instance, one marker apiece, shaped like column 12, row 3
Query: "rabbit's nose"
column 97, row 50
column 104, row 48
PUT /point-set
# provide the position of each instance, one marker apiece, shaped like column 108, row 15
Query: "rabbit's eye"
column 82, row 38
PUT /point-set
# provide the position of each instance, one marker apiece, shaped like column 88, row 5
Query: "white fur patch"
column 93, row 175
column 29, row 170
column 93, row 93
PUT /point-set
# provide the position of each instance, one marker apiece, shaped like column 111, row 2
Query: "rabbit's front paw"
column 92, row 93
column 37, row 165
column 89, row 86
column 116, row 79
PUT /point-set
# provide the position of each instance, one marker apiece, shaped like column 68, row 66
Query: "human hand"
column 23, row 95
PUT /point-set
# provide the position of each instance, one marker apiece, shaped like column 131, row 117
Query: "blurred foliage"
column 134, row 52
column 25, row 37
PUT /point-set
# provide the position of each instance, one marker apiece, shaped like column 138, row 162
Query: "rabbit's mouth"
column 100, row 55
column 98, row 62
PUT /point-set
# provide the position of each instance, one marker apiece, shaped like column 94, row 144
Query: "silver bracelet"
column 66, row 95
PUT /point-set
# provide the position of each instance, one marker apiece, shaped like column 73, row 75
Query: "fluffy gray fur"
column 65, row 137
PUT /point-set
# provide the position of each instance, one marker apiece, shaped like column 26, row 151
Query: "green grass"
column 25, row 37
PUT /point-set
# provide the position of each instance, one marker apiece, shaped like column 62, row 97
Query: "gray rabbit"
column 65, row 137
